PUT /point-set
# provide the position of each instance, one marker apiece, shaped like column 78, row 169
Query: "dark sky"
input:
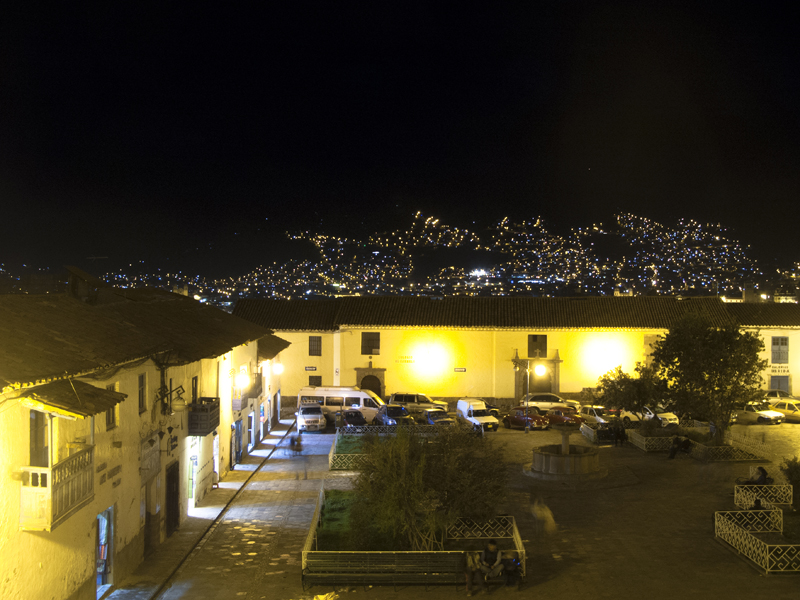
column 133, row 129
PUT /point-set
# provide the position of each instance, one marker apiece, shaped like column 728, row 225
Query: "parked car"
column 773, row 395
column 759, row 411
column 437, row 416
column 789, row 408
column 563, row 414
column 523, row 416
column 353, row 418
column 543, row 402
column 657, row 412
column 473, row 411
column 309, row 417
column 393, row 414
column 599, row 414
column 416, row 403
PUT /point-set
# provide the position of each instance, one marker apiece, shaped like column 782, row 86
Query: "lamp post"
column 527, row 394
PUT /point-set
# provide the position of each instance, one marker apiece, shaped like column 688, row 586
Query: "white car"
column 599, row 414
column 789, row 408
column 775, row 395
column 310, row 417
column 543, row 401
column 761, row 412
column 666, row 417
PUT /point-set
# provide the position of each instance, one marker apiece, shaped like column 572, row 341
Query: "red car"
column 516, row 419
column 563, row 414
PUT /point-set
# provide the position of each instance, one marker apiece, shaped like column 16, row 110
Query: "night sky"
column 136, row 129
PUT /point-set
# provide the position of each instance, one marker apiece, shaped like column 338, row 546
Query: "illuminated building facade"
column 117, row 406
column 495, row 347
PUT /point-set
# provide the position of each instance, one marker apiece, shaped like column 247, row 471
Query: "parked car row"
column 319, row 406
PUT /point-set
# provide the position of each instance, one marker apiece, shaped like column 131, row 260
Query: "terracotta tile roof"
column 73, row 397
column 637, row 312
column 290, row 315
column 46, row 337
column 766, row 314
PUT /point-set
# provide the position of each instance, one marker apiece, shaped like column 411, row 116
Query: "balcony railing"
column 51, row 495
column 203, row 416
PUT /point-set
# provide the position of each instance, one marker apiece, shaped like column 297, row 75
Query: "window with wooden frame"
column 40, row 453
column 315, row 345
column 142, row 392
column 370, row 342
column 780, row 350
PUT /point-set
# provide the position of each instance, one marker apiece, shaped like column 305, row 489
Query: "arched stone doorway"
column 371, row 378
column 372, row 383
column 525, row 381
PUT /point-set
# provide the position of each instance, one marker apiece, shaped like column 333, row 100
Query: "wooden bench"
column 383, row 568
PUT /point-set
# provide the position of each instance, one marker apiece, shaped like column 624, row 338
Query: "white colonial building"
column 117, row 407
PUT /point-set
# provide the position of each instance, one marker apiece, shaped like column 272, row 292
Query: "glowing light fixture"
column 429, row 359
column 242, row 380
column 277, row 368
column 540, row 370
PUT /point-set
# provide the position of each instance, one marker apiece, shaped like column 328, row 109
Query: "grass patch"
column 334, row 533
column 350, row 444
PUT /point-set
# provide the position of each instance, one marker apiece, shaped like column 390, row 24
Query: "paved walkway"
column 644, row 531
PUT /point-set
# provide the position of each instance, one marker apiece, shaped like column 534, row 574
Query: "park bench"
column 384, row 568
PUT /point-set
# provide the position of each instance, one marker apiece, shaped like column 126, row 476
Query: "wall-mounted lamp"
column 540, row 370
column 242, row 380
column 277, row 368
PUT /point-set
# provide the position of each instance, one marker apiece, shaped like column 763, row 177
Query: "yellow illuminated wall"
column 426, row 360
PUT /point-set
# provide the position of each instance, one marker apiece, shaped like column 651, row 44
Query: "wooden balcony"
column 203, row 416
column 50, row 495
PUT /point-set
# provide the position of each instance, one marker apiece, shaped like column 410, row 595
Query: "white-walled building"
column 489, row 347
column 117, row 406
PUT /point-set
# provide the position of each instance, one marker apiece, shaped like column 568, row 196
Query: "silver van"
column 335, row 399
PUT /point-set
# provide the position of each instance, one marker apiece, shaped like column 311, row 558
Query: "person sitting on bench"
column 491, row 561
column 761, row 478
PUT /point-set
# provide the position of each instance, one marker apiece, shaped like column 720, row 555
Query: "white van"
column 474, row 412
column 335, row 399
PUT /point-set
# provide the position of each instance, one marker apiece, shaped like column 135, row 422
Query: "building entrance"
column 104, row 554
column 372, row 383
column 173, row 498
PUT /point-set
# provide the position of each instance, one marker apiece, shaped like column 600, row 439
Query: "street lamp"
column 527, row 395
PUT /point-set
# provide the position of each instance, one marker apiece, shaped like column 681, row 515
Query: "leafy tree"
column 710, row 371
column 621, row 390
column 412, row 487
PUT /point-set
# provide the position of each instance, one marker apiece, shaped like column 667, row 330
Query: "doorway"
column 372, row 383
column 236, row 443
column 104, row 550
column 173, row 499
column 250, row 433
column 779, row 382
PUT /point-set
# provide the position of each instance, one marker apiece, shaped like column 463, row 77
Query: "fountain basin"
column 551, row 463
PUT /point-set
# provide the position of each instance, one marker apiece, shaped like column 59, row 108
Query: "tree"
column 620, row 390
column 710, row 370
column 412, row 487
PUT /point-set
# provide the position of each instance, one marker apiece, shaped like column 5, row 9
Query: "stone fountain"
column 565, row 462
